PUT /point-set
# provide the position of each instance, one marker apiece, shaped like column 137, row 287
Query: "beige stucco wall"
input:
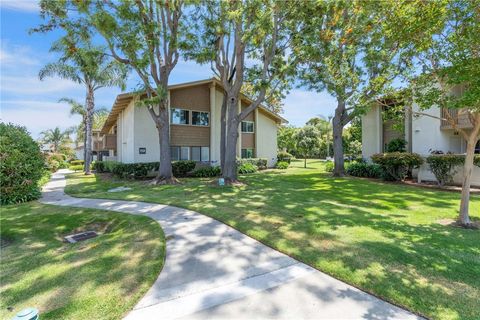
column 146, row 136
column 266, row 138
column 372, row 135
column 125, row 134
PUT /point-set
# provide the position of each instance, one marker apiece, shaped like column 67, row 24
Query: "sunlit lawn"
column 100, row 278
column 383, row 238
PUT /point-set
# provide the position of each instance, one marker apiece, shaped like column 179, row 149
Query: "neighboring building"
column 98, row 148
column 422, row 133
column 130, row 136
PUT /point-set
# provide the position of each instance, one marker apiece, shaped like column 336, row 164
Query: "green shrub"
column 362, row 169
column 98, row 166
column 329, row 166
column 206, row 172
column 444, row 166
column 283, row 156
column 78, row 167
column 282, row 165
column 21, row 165
column 133, row 170
column 45, row 178
column 396, row 145
column 260, row 163
column 53, row 165
column 182, row 167
column 397, row 165
column 77, row 162
column 108, row 165
column 247, row 167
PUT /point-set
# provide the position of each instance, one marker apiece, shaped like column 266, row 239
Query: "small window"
column 184, row 153
column 180, row 116
column 200, row 118
column 247, row 126
column 175, row 153
column 247, row 153
column 205, row 154
column 196, row 154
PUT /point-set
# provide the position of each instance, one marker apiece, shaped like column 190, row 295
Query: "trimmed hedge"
column 283, row 156
column 445, row 166
column 362, row 169
column 182, row 167
column 77, row 162
column 260, row 163
column 329, row 166
column 207, row 172
column 282, row 165
column 247, row 167
column 141, row 170
column 21, row 165
column 396, row 166
column 78, row 167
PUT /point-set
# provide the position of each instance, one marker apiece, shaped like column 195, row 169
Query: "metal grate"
column 73, row 238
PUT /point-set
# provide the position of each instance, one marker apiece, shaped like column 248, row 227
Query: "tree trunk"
column 165, row 175
column 223, row 131
column 84, row 143
column 230, row 167
column 464, row 218
column 90, row 103
column 305, row 163
column 339, row 168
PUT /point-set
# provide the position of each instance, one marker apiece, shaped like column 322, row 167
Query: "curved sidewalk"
column 213, row 271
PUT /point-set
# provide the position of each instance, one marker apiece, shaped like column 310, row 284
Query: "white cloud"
column 20, row 5
column 302, row 105
column 31, row 85
column 37, row 116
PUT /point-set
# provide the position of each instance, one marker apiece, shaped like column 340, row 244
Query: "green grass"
column 100, row 278
column 384, row 238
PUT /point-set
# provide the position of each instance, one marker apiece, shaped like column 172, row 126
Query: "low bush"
column 396, row 166
column 283, row 156
column 396, row 145
column 445, row 166
column 133, row 170
column 21, row 165
column 206, row 172
column 282, row 165
column 78, row 167
column 76, row 162
column 329, row 166
column 45, row 178
column 182, row 167
column 260, row 163
column 247, row 167
column 99, row 166
column 362, row 169
column 53, row 165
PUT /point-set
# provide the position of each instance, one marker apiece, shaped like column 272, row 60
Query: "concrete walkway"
column 215, row 272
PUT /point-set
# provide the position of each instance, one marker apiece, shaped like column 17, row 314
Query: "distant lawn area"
column 387, row 239
column 100, row 278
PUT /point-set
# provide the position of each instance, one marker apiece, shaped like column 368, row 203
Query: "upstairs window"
column 180, row 116
column 248, row 126
column 247, row 153
column 200, row 118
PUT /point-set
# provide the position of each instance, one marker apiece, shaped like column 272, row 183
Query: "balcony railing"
column 109, row 142
column 460, row 118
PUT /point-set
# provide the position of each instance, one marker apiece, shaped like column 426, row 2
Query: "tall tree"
column 56, row 138
column 307, row 141
column 347, row 51
column 83, row 63
column 146, row 36
column 449, row 60
column 230, row 33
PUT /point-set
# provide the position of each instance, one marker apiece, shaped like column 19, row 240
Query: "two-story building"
column 130, row 136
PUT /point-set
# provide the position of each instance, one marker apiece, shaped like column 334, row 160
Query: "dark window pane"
column 196, row 154
column 184, row 153
column 200, row 118
column 247, row 126
column 179, row 116
column 175, row 153
column 205, row 154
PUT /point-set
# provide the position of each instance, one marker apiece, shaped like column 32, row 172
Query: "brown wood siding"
column 189, row 136
column 191, row 98
column 248, row 140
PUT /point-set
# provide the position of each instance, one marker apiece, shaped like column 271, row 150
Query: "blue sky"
column 27, row 101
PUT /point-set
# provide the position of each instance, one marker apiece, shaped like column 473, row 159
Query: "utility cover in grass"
column 119, row 189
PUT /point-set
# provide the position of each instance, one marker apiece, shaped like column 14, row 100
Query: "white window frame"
column 200, row 125
column 180, row 124
column 246, row 125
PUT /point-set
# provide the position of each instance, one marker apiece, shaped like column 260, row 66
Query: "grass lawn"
column 100, row 278
column 383, row 238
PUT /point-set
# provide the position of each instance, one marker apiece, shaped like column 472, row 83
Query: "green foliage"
column 397, row 165
column 78, row 167
column 286, row 138
column 98, row 166
column 329, row 166
column 444, row 166
column 45, row 178
column 207, row 172
column 282, row 165
column 363, row 169
column 397, row 145
column 284, row 157
column 77, row 162
column 247, row 167
column 21, row 165
column 260, row 163
column 56, row 138
column 307, row 139
column 132, row 170
column 182, row 167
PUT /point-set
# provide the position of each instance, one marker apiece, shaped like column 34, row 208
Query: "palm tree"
column 88, row 65
column 55, row 138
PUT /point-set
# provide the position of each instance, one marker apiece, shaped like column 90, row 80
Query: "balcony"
column 109, row 142
column 461, row 119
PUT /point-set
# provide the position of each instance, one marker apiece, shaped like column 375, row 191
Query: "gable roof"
column 123, row 100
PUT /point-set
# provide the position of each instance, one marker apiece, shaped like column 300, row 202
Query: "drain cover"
column 81, row 236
